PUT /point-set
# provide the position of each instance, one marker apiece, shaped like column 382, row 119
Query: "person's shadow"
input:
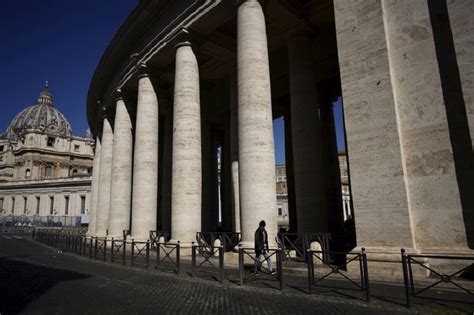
column 21, row 283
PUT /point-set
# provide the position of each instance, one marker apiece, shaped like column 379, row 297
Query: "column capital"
column 142, row 70
column 184, row 38
column 118, row 94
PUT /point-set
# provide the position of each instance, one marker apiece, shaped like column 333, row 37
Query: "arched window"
column 28, row 173
column 74, row 171
column 48, row 171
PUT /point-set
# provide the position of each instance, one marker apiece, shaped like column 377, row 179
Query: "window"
column 74, row 171
column 1, row 158
column 48, row 171
column 1, row 148
column 38, row 204
column 25, row 205
column 280, row 211
column 83, row 204
column 13, row 204
column 28, row 173
column 66, row 205
column 76, row 148
column 51, row 204
column 1, row 204
column 50, row 142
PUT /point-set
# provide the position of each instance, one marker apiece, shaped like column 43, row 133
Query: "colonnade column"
column 310, row 186
column 256, row 149
column 103, row 198
column 234, row 153
column 121, row 186
column 145, row 166
column 94, row 189
column 187, row 155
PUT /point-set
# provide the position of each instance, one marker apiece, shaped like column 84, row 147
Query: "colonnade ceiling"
column 214, row 38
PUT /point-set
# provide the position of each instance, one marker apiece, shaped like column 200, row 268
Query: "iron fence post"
column 221, row 263
column 90, row 248
column 158, row 254
column 133, row 251
column 105, row 249
column 95, row 248
column 310, row 271
column 147, row 253
column 280, row 267
column 193, row 259
column 178, row 263
column 405, row 277
column 112, row 249
column 366, row 274
column 241, row 264
column 124, row 252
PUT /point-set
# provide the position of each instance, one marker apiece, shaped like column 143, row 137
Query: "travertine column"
column 234, row 153
column 103, row 199
column 310, row 186
column 145, row 165
column 186, row 169
column 256, row 150
column 423, row 115
column 121, row 188
column 94, row 189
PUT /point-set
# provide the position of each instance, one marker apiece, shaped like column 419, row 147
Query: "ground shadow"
column 21, row 283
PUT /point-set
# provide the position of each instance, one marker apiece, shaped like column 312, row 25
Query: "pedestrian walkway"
column 36, row 278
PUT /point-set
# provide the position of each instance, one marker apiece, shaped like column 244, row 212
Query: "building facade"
column 44, row 169
column 181, row 78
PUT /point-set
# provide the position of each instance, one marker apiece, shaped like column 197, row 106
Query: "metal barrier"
column 408, row 260
column 250, row 252
column 336, row 270
column 206, row 255
column 88, row 246
column 301, row 242
column 156, row 235
column 100, row 248
column 140, row 253
column 164, row 253
column 228, row 240
column 118, row 248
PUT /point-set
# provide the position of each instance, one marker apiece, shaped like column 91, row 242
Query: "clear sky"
column 62, row 41
column 56, row 40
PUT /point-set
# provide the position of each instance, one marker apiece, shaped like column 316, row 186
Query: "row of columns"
column 252, row 147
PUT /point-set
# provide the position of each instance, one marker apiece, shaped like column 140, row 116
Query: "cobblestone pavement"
column 36, row 279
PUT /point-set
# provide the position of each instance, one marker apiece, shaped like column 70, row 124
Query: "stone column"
column 121, row 188
column 427, row 129
column 103, row 199
column 234, row 153
column 256, row 150
column 306, row 137
column 186, row 160
column 94, row 189
column 145, row 166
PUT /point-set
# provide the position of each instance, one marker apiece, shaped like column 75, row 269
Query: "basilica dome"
column 42, row 117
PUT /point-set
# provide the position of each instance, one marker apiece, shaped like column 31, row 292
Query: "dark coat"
column 260, row 242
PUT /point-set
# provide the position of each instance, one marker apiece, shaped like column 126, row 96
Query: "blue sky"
column 62, row 41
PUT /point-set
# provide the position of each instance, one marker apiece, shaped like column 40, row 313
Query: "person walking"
column 261, row 248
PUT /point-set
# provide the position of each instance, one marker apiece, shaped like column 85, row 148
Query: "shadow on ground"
column 21, row 283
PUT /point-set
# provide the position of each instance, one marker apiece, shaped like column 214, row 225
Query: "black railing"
column 155, row 237
column 258, row 261
column 118, row 249
column 229, row 240
column 140, row 253
column 299, row 243
column 167, row 255
column 409, row 260
column 100, row 248
column 207, row 259
column 361, row 258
